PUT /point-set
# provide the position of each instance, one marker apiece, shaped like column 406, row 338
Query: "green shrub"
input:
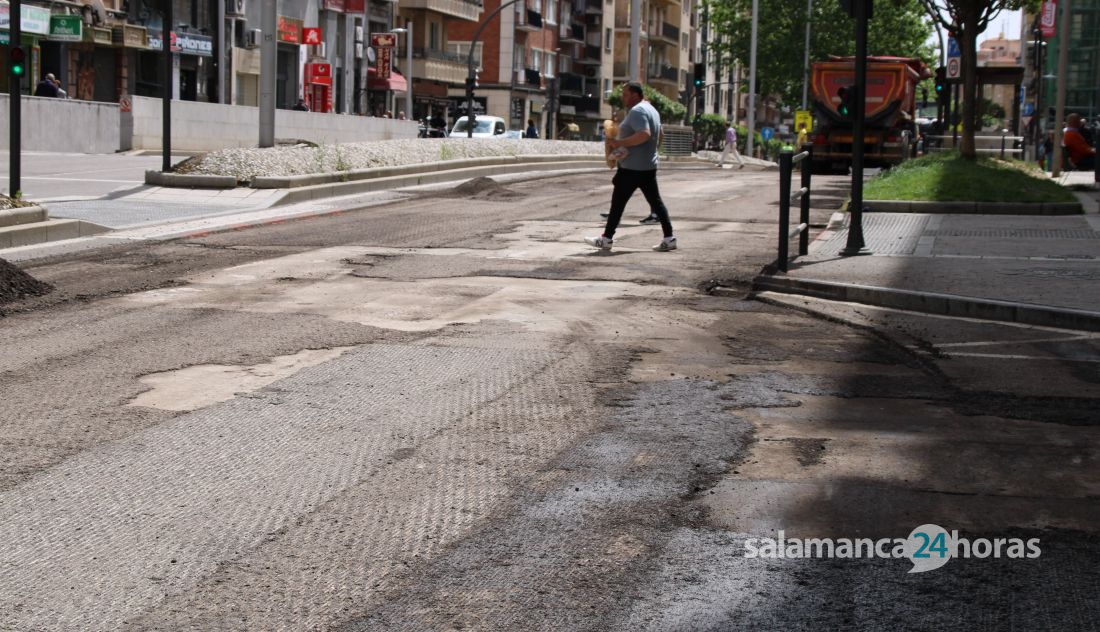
column 671, row 112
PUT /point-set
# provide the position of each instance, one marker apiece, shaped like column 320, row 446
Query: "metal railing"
column 1002, row 145
column 787, row 160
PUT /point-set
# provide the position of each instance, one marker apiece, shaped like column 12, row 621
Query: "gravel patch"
column 16, row 284
column 10, row 203
column 247, row 163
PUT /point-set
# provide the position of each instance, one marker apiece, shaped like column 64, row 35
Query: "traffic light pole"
column 471, row 76
column 855, row 244
column 15, row 103
column 166, row 93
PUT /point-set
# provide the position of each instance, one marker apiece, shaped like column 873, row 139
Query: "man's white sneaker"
column 601, row 242
column 668, row 243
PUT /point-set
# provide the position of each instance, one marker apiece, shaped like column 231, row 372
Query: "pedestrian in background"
column 47, row 87
column 731, row 146
column 1081, row 154
column 640, row 131
column 532, row 131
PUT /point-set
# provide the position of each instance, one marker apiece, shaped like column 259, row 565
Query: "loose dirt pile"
column 16, row 284
column 483, row 189
column 7, row 203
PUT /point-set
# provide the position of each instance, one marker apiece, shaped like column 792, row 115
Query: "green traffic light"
column 17, row 70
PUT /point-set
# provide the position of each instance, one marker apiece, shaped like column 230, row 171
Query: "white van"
column 484, row 127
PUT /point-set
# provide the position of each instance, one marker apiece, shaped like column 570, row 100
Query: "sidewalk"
column 1040, row 270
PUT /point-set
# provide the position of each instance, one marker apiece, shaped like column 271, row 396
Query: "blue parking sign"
column 767, row 133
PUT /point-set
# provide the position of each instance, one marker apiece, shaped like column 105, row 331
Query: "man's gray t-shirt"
column 641, row 117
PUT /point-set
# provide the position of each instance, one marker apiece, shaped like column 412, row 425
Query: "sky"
column 1007, row 22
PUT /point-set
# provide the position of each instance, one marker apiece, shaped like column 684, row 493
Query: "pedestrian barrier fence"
column 787, row 160
column 1002, row 145
column 678, row 140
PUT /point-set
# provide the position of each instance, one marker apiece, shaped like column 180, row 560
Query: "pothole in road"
column 199, row 386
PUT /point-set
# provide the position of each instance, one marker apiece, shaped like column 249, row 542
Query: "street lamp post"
column 470, row 73
column 408, row 31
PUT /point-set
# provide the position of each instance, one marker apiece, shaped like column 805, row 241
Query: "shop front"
column 35, row 25
column 317, row 80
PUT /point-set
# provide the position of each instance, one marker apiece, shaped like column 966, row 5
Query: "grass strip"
column 947, row 177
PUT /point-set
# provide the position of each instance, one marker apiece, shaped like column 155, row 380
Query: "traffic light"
column 699, row 72
column 17, row 60
column 923, row 98
column 847, row 107
column 941, row 84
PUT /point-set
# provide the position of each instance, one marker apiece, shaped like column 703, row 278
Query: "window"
column 607, row 39
column 549, row 65
column 607, row 85
column 519, row 57
column 536, row 59
column 565, row 63
column 433, row 42
column 536, row 5
column 463, row 49
column 551, row 11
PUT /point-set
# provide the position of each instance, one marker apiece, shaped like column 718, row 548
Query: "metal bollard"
column 804, row 215
column 785, row 165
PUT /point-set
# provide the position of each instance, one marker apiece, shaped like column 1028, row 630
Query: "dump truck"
column 890, row 129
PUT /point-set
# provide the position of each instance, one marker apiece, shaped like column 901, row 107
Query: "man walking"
column 731, row 145
column 47, row 87
column 639, row 133
column 1081, row 155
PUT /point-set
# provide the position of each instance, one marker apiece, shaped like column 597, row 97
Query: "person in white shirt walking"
column 731, row 146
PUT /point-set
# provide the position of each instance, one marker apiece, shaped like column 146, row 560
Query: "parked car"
column 484, row 127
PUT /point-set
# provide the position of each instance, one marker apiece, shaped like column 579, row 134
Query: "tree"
column 666, row 107
column 966, row 19
column 899, row 27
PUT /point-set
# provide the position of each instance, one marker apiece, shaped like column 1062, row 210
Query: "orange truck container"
column 890, row 129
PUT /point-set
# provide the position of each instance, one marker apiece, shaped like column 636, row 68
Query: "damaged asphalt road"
column 448, row 413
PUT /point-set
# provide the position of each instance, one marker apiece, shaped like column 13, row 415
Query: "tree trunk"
column 968, row 43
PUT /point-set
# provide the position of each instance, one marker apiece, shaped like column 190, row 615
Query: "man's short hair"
column 1073, row 118
column 49, row 75
column 636, row 88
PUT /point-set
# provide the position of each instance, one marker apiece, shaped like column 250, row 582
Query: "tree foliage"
column 670, row 111
column 967, row 19
column 899, row 27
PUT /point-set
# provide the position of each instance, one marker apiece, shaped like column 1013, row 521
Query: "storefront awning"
column 394, row 82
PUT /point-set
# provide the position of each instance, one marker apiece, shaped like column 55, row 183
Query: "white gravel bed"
column 247, row 163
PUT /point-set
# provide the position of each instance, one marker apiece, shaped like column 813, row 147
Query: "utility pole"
column 752, row 81
column 806, row 59
column 856, row 244
column 635, row 38
column 15, row 102
column 1060, row 99
column 166, row 95
column 268, row 64
column 219, row 50
column 471, row 74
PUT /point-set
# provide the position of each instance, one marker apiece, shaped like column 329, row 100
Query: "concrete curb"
column 39, row 232
column 187, row 181
column 22, row 215
column 321, row 191
column 292, row 182
column 982, row 208
column 933, row 303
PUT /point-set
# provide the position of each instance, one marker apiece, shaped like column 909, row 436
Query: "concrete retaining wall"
column 64, row 125
column 209, row 126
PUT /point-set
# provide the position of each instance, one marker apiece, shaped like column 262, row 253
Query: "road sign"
column 766, row 133
column 953, row 68
column 125, row 104
column 953, row 47
column 1048, row 19
column 385, row 62
column 311, row 36
column 1029, row 109
column 803, row 117
column 383, row 40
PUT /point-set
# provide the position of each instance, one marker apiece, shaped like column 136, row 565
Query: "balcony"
column 529, row 20
column 571, row 34
column 569, row 83
column 593, row 55
column 438, row 65
column 665, row 74
column 586, row 107
column 531, row 78
column 670, row 32
column 464, row 9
